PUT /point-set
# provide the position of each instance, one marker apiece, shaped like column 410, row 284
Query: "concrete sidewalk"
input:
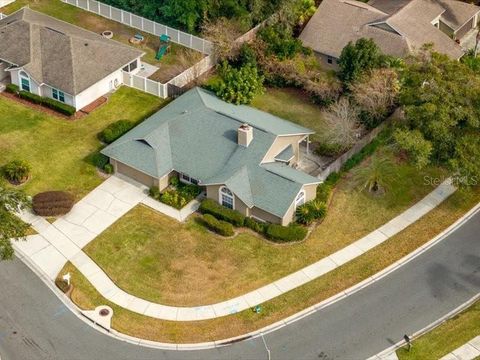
column 63, row 241
column 469, row 351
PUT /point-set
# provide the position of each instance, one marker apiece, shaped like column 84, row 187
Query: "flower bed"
column 177, row 195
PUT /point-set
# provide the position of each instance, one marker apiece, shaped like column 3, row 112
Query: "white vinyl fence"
column 127, row 18
column 145, row 85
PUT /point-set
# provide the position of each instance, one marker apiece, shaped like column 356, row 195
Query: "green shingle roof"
column 197, row 135
column 286, row 154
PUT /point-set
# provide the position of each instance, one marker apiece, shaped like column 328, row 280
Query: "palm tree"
column 376, row 175
column 11, row 227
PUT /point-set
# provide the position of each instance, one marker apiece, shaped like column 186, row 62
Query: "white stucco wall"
column 47, row 92
column 87, row 96
column 101, row 88
column 34, row 87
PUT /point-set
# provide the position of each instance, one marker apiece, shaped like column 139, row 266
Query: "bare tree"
column 342, row 126
column 377, row 92
column 223, row 34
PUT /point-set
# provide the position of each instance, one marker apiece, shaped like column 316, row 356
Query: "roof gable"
column 396, row 26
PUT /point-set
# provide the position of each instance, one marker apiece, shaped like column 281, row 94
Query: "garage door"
column 135, row 174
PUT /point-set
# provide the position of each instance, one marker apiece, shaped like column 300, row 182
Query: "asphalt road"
column 34, row 323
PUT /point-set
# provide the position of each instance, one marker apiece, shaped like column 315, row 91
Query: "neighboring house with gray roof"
column 55, row 59
column 244, row 158
column 398, row 27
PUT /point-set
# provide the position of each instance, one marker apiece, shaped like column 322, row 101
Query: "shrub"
column 58, row 106
column 323, row 192
column 12, row 88
column 211, row 207
column 52, row 203
column 154, row 192
column 174, row 181
column 16, row 171
column 255, row 225
column 100, row 160
column 108, row 168
column 239, row 86
column 30, row 97
column 333, row 178
column 304, row 214
column 173, row 198
column 318, row 209
column 280, row 41
column 220, row 227
column 47, row 102
column 289, row 233
column 115, row 130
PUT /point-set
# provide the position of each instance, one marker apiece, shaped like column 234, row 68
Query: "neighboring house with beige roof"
column 398, row 27
column 55, row 59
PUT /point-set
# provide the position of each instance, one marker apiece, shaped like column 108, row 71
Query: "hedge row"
column 52, row 203
column 47, row 102
column 12, row 88
column 289, row 233
column 113, row 131
column 211, row 207
column 220, row 227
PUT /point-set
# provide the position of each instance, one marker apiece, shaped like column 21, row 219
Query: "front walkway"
column 63, row 240
column 469, row 351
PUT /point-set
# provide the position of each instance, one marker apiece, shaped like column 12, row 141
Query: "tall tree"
column 441, row 98
column 358, row 57
column 11, row 227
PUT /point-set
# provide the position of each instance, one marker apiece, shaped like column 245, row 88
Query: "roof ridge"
column 362, row 5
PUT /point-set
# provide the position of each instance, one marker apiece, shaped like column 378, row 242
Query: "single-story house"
column 55, row 59
column 243, row 158
column 398, row 27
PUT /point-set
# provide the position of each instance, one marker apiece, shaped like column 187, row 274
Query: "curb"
column 268, row 329
column 392, row 350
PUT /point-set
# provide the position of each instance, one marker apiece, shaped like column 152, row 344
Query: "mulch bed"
column 78, row 114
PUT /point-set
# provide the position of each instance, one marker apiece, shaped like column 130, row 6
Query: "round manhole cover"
column 104, row 312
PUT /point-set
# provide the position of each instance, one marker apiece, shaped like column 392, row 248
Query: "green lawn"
column 179, row 58
column 86, row 297
column 294, row 105
column 59, row 150
column 445, row 338
column 160, row 253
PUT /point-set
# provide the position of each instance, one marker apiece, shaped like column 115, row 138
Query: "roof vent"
column 245, row 135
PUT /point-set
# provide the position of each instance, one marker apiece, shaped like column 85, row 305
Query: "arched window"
column 300, row 200
column 226, row 197
column 24, row 81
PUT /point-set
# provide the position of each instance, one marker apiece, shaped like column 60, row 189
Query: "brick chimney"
column 245, row 135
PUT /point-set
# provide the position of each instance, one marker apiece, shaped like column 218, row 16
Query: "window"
column 58, row 95
column 24, row 81
column 133, row 65
column 130, row 67
column 300, row 200
column 187, row 179
column 329, row 60
column 226, row 197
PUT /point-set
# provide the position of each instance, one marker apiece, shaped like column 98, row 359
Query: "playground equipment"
column 164, row 46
